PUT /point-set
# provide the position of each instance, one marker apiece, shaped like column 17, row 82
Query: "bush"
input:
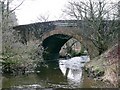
column 18, row 57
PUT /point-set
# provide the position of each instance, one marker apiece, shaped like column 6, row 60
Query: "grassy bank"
column 105, row 66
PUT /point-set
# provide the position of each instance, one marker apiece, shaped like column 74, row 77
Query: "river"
column 69, row 74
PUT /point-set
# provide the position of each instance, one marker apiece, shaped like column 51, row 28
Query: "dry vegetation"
column 108, row 63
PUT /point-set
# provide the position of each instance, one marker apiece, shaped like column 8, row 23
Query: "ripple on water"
column 28, row 86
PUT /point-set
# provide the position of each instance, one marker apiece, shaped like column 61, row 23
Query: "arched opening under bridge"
column 57, row 44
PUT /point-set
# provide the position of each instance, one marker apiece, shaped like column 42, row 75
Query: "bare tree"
column 43, row 18
column 99, row 21
column 8, row 13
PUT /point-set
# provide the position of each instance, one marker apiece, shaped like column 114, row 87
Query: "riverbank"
column 105, row 67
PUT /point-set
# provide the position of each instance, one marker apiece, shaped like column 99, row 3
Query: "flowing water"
column 62, row 77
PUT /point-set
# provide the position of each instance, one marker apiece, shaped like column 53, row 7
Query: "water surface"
column 61, row 77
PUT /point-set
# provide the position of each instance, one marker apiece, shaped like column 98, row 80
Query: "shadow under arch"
column 52, row 46
column 53, row 43
column 53, row 40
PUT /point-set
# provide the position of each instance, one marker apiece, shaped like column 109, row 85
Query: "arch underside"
column 52, row 45
column 53, row 41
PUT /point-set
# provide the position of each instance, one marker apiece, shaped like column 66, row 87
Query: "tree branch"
column 17, row 6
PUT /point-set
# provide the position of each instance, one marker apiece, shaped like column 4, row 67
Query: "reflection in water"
column 68, row 75
column 72, row 68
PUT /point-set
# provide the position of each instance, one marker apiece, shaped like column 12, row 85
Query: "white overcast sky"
column 31, row 9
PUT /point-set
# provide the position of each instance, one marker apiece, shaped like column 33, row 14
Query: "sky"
column 30, row 10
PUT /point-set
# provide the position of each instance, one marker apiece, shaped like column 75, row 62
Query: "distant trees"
column 42, row 18
column 100, row 21
column 72, row 48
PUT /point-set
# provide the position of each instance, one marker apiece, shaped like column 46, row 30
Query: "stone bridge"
column 54, row 34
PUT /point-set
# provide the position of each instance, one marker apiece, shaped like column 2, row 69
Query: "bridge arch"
column 53, row 40
column 69, row 31
column 47, row 31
